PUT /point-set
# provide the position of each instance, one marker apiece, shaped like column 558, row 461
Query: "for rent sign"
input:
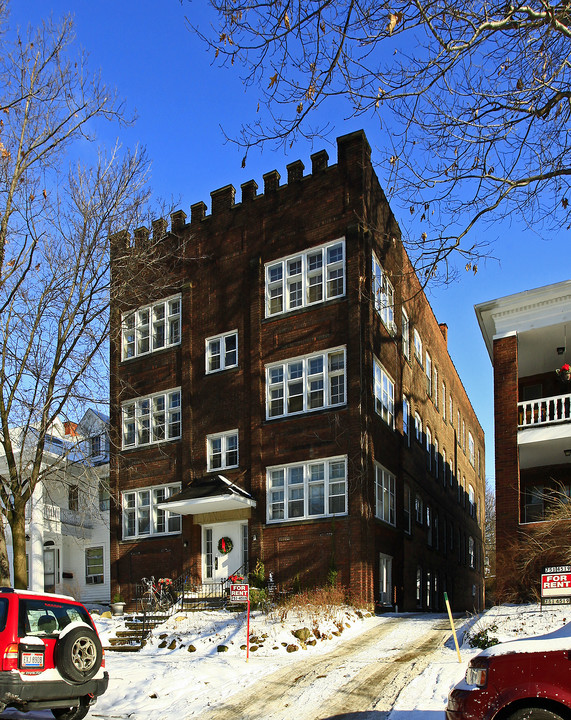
column 556, row 583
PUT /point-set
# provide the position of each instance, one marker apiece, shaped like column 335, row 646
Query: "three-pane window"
column 151, row 419
column 304, row 490
column 94, row 565
column 305, row 279
column 142, row 517
column 305, row 384
column 151, row 328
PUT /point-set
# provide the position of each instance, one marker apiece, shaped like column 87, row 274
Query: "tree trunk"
column 4, row 562
column 18, row 527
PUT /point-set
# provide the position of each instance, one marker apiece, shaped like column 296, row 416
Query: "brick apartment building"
column 288, row 396
column 528, row 337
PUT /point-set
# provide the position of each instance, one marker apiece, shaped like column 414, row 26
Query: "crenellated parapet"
column 353, row 155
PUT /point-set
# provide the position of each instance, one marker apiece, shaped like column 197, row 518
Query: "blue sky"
column 145, row 49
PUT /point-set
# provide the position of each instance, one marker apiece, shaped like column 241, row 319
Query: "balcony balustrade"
column 544, row 411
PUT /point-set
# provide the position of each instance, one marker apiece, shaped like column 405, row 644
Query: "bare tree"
column 54, row 252
column 473, row 100
column 490, row 543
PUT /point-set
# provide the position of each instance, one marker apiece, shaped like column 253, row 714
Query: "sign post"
column 240, row 593
column 452, row 626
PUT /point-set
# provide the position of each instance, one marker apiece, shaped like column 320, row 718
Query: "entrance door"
column 50, row 570
column 222, row 551
column 385, row 579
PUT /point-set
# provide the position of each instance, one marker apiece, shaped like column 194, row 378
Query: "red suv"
column 50, row 653
column 527, row 678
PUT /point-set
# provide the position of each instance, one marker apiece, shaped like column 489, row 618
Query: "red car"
column 50, row 654
column 527, row 679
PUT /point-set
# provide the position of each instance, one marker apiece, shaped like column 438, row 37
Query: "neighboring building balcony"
column 544, row 431
column 62, row 520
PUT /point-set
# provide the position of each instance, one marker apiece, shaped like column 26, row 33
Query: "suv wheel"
column 534, row 713
column 74, row 713
column 78, row 656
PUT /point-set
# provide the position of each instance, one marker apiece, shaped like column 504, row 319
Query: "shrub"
column 483, row 639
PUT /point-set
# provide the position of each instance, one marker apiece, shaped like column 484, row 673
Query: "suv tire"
column 74, row 713
column 78, row 655
column 534, row 713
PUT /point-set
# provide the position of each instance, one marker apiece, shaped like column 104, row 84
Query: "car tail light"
column 10, row 657
column 477, row 674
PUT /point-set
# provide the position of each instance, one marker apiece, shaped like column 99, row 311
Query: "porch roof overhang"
column 213, row 493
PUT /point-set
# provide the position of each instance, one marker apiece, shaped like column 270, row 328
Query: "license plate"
column 32, row 660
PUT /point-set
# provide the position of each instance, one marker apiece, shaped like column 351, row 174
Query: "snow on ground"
column 166, row 680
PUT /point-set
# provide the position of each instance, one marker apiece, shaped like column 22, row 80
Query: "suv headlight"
column 477, row 673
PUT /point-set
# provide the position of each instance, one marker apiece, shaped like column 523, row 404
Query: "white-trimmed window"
column 435, row 388
column 417, row 345
column 222, row 450
column 384, row 389
column 451, row 408
column 307, row 490
column 151, row 419
column 406, row 419
column 405, row 334
column 444, row 467
column 94, row 565
column 429, row 525
column 428, row 370
column 305, row 384
column 471, row 450
column 471, row 501
column 222, row 352
column 443, row 402
column 383, row 295
column 310, row 277
column 151, row 328
column 418, row 509
column 471, row 552
column 407, row 510
column 142, row 517
column 436, row 457
column 385, row 483
column 417, row 427
column 428, row 435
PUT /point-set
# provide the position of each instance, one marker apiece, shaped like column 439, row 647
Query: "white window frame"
column 152, row 327
column 220, row 355
column 443, row 401
column 305, row 279
column 429, row 525
column 297, row 386
column 471, row 450
column 471, row 552
column 140, row 505
column 435, row 388
column 471, row 500
column 384, row 392
column 291, row 489
column 94, row 578
column 407, row 509
column 436, row 458
column 428, row 436
column 418, row 505
column 141, row 419
column 428, row 371
column 406, row 419
column 385, row 491
column 224, row 445
column 405, row 334
column 417, row 345
column 418, row 427
column 383, row 295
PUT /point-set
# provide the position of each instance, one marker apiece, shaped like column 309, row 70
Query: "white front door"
column 222, row 550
